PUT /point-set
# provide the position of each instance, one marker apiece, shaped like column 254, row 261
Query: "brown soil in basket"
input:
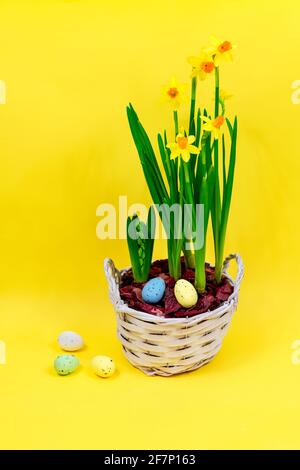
column 168, row 307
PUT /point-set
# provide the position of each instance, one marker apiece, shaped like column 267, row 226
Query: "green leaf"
column 133, row 252
column 229, row 183
column 166, row 164
column 229, row 127
column 146, row 153
column 223, row 164
column 198, row 132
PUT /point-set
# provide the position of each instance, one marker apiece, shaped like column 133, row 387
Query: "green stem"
column 175, row 115
column 200, row 276
column 219, row 261
column 170, row 258
column 217, row 91
column 189, row 254
column 175, row 164
column 193, row 106
column 216, row 196
column 173, row 260
column 189, row 257
column 177, row 269
column 188, row 185
column 222, row 103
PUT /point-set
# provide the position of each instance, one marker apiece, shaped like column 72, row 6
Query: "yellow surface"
column 70, row 68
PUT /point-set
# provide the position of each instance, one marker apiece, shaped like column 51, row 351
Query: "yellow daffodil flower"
column 203, row 65
column 174, row 93
column 224, row 95
column 183, row 146
column 220, row 50
column 213, row 125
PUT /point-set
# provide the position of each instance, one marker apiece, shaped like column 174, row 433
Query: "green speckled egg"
column 185, row 293
column 65, row 364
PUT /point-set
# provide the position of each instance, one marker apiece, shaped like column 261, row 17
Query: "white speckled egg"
column 70, row 341
column 103, row 366
column 185, row 293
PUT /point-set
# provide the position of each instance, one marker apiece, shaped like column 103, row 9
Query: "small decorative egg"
column 70, row 341
column 65, row 364
column 103, row 366
column 153, row 291
column 185, row 293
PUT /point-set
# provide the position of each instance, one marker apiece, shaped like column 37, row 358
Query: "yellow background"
column 70, row 69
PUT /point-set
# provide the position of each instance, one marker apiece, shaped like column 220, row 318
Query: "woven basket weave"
column 168, row 346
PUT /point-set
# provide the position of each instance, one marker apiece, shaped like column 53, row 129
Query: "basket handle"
column 240, row 265
column 113, row 279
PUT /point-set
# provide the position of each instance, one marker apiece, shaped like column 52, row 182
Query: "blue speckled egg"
column 65, row 364
column 153, row 291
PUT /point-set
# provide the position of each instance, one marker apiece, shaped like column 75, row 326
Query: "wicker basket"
column 168, row 346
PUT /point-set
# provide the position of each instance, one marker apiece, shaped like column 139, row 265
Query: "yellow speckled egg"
column 185, row 293
column 103, row 366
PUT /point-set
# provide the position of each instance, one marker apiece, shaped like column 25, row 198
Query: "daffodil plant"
column 198, row 165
